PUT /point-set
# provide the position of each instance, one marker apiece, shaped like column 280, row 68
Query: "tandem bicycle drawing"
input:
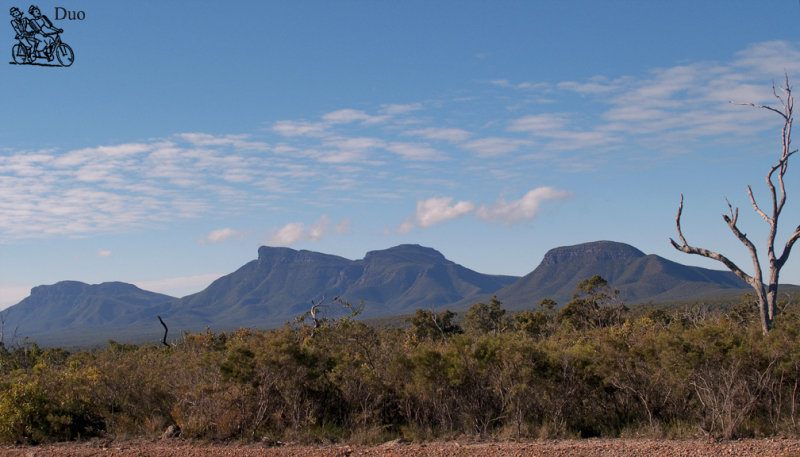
column 38, row 40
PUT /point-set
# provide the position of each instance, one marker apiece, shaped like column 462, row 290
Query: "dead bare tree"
column 766, row 295
column 164, row 339
column 314, row 314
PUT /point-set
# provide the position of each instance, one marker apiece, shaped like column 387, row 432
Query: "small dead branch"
column 164, row 339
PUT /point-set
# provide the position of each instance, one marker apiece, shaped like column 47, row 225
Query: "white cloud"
column 595, row 86
column 496, row 146
column 770, row 58
column 451, row 135
column 365, row 155
column 345, row 116
column 400, row 109
column 103, row 253
column 218, row 236
column 25, row 164
column 414, row 151
column 434, row 211
column 525, row 208
column 340, row 150
column 538, row 124
column 294, row 232
column 129, row 185
column 288, row 234
column 357, row 144
column 525, row 85
column 299, row 128
column 237, row 141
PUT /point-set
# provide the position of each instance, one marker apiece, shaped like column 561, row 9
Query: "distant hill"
column 640, row 278
column 71, row 305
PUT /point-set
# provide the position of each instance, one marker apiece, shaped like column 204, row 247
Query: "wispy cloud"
column 525, row 85
column 770, row 58
column 496, row 146
column 526, row 208
column 434, row 211
column 374, row 152
column 294, row 232
column 237, row 141
column 395, row 109
column 221, row 235
column 345, row 116
column 299, row 128
column 438, row 210
column 539, row 124
column 103, row 253
column 452, row 135
column 415, row 151
column 597, row 85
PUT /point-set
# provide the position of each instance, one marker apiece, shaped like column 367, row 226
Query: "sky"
column 187, row 134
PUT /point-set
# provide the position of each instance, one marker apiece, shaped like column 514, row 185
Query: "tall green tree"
column 429, row 325
column 594, row 304
column 485, row 318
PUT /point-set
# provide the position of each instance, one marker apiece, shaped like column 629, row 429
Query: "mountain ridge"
column 638, row 276
column 282, row 282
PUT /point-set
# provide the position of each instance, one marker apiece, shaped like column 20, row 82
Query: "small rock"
column 396, row 442
column 173, row 431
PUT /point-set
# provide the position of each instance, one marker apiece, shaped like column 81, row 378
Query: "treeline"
column 589, row 368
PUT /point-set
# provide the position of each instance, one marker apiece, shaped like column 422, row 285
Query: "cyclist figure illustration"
column 37, row 37
column 20, row 26
column 43, row 31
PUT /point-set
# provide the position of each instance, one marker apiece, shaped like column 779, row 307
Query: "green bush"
column 593, row 370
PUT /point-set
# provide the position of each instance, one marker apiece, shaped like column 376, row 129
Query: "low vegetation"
column 589, row 368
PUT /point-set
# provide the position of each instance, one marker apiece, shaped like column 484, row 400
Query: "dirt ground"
column 566, row 448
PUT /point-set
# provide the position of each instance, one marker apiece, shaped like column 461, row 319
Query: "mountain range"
column 282, row 283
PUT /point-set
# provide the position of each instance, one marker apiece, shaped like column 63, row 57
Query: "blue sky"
column 186, row 135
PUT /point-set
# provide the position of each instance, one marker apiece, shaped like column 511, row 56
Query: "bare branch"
column 733, row 214
column 685, row 247
column 164, row 339
column 788, row 247
column 761, row 107
column 755, row 206
column 678, row 225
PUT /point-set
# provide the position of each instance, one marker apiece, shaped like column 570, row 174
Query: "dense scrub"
column 591, row 368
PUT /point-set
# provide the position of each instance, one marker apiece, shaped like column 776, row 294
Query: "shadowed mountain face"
column 282, row 283
column 73, row 304
column 268, row 291
column 640, row 278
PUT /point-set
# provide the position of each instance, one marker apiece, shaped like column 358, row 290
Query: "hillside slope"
column 640, row 278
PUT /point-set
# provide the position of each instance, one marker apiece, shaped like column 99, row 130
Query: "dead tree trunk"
column 766, row 294
column 164, row 339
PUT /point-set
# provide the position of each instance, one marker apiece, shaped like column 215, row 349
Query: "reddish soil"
column 566, row 448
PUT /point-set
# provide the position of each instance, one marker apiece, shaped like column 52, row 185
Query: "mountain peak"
column 61, row 286
column 413, row 252
column 597, row 250
column 638, row 277
column 273, row 253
